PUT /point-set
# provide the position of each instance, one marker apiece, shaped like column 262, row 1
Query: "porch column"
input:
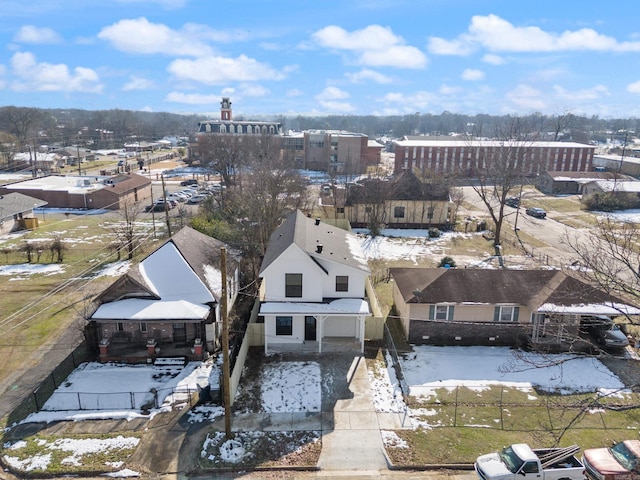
column 321, row 319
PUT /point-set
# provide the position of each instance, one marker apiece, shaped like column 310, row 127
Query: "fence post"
column 133, row 400
column 79, row 402
column 35, row 399
column 455, row 410
column 501, row 408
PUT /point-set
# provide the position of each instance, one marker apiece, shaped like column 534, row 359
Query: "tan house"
column 405, row 202
column 496, row 307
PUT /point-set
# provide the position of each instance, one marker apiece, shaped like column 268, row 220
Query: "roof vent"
column 317, row 221
column 319, row 248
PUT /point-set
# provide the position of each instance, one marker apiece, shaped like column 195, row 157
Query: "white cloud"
column 142, row 36
column 526, row 97
column 47, row 77
column 634, row 87
column 36, row 35
column 192, row 98
column 294, row 92
column 331, row 99
column 584, row 94
column 493, row 59
column 368, row 75
column 498, row 35
column 411, row 102
column 448, row 90
column 163, row 3
column 472, row 74
column 137, row 83
column 219, row 70
column 374, row 46
column 252, row 90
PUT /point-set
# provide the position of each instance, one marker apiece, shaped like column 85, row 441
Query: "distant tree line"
column 26, row 126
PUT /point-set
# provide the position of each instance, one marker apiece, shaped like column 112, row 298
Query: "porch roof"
column 606, row 308
column 145, row 310
column 341, row 306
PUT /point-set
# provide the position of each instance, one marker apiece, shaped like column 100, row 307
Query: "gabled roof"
column 181, row 279
column 15, row 203
column 405, row 186
column 306, row 233
column 532, row 288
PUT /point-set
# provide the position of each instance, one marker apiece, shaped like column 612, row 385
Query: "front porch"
column 329, row 345
column 140, row 352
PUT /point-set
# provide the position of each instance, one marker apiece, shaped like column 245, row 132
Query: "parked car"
column 197, row 199
column 536, row 212
column 613, row 463
column 604, row 330
column 186, row 183
column 521, row 461
column 157, row 207
column 512, row 202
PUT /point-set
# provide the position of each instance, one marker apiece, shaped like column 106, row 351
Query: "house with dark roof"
column 313, row 288
column 541, row 308
column 404, row 202
column 16, row 212
column 168, row 304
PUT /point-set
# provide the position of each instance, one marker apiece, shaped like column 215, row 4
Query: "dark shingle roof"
column 495, row 287
column 15, row 203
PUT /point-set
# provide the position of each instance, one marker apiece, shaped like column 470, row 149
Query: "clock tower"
column 225, row 109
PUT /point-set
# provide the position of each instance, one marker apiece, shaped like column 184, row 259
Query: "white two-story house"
column 313, row 287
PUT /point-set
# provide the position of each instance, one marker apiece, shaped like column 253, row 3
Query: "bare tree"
column 223, row 154
column 501, row 168
column 609, row 257
column 125, row 231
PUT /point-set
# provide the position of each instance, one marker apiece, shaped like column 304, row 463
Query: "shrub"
column 447, row 261
column 434, row 232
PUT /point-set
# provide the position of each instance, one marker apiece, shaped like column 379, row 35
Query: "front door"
column 179, row 332
column 310, row 329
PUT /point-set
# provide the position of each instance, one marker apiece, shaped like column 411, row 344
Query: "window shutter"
column 432, row 312
column 516, row 311
column 496, row 314
column 450, row 315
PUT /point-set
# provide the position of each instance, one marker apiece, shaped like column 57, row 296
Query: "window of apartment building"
column 284, row 325
column 119, row 327
column 398, row 212
column 143, row 327
column 506, row 314
column 342, row 283
column 293, row 285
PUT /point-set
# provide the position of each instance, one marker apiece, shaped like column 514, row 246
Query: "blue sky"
column 324, row 56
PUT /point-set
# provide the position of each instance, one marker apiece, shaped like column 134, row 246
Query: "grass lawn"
column 38, row 307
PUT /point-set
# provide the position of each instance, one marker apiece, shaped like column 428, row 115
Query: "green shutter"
column 432, row 312
column 450, row 315
column 516, row 311
column 496, row 314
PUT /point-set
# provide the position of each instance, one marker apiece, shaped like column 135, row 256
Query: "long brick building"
column 471, row 158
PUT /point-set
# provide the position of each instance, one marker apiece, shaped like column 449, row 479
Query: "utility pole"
column 166, row 206
column 226, row 371
column 78, row 158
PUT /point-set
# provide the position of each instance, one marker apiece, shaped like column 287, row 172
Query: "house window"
column 342, row 283
column 398, row 212
column 284, row 325
column 430, row 213
column 119, row 327
column 367, row 209
column 340, row 210
column 506, row 314
column 442, row 312
column 293, row 285
column 143, row 327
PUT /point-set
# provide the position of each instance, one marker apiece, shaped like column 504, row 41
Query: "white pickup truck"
column 521, row 461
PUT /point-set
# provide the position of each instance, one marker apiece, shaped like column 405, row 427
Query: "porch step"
column 170, row 361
